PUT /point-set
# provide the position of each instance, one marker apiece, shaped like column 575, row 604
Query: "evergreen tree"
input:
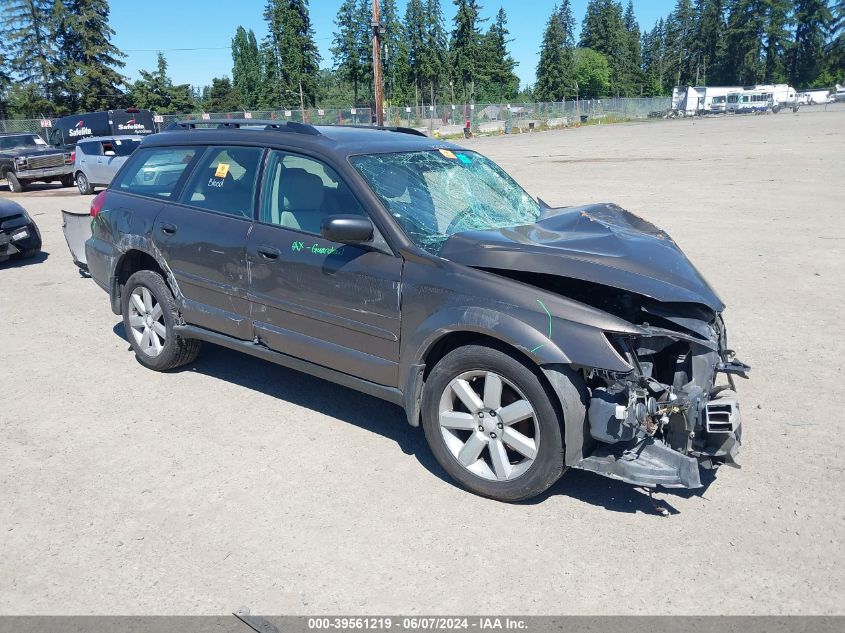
column 554, row 70
column 604, row 31
column 709, row 40
column 744, row 42
column 415, row 36
column 654, row 59
column 156, row 91
column 836, row 58
column 813, row 22
column 682, row 65
column 436, row 51
column 291, row 54
column 221, row 96
column 777, row 40
column 346, row 47
column 269, row 91
column 246, row 68
column 465, row 48
column 634, row 53
column 25, row 33
column 85, row 64
column 5, row 81
column 394, row 56
column 500, row 83
column 365, row 48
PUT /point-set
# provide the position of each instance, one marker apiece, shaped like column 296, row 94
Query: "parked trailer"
column 687, row 100
column 815, row 97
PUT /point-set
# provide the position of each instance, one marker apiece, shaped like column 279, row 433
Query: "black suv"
column 525, row 339
column 26, row 158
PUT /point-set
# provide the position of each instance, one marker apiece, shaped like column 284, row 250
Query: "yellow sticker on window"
column 448, row 154
column 222, row 170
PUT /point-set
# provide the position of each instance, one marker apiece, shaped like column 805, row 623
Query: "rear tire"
column 15, row 185
column 67, row 181
column 149, row 316
column 516, row 460
column 85, row 188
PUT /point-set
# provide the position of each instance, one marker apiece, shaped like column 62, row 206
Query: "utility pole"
column 377, row 33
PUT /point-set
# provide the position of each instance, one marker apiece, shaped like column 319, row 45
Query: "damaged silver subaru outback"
column 524, row 339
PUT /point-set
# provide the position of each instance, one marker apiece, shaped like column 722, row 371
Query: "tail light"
column 73, row 157
column 97, row 204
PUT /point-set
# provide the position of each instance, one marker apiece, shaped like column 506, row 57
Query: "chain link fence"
column 443, row 120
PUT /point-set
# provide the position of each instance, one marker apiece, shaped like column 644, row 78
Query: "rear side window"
column 90, row 149
column 155, row 172
column 224, row 181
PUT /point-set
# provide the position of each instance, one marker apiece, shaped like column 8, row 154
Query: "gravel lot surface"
column 236, row 482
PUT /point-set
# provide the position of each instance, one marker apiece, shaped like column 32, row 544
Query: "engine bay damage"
column 676, row 410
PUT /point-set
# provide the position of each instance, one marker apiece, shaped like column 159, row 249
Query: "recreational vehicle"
column 749, row 101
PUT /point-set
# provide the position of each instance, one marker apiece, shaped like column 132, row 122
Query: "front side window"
column 300, row 192
column 435, row 194
column 224, row 181
column 156, row 171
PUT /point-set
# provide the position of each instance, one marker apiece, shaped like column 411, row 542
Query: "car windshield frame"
column 435, row 193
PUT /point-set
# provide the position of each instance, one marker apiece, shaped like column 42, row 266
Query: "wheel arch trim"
column 131, row 246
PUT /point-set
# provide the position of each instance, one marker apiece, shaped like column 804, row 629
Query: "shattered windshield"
column 435, row 194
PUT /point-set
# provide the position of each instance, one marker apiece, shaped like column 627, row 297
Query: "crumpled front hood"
column 601, row 243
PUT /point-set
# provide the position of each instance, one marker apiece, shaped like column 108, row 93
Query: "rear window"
column 125, row 147
column 224, row 181
column 155, row 172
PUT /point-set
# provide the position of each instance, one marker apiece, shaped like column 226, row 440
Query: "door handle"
column 168, row 228
column 268, row 252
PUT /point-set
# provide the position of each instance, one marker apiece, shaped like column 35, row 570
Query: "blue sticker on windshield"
column 464, row 159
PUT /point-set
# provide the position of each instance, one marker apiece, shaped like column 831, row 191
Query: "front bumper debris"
column 646, row 462
column 77, row 230
column 672, row 414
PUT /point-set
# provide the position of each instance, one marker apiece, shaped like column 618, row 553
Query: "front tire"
column 491, row 423
column 149, row 316
column 85, row 188
column 15, row 185
column 28, row 253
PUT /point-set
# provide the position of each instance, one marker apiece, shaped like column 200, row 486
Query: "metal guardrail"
column 440, row 119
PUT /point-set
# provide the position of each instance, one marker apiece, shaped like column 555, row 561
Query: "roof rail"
column 281, row 126
column 386, row 128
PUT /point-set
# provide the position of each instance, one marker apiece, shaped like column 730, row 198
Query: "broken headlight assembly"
column 671, row 395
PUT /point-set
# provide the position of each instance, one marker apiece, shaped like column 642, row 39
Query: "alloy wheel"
column 488, row 425
column 146, row 321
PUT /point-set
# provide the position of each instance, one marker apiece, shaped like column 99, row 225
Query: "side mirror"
column 347, row 229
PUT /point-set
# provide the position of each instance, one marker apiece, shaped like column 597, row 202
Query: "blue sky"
column 142, row 28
